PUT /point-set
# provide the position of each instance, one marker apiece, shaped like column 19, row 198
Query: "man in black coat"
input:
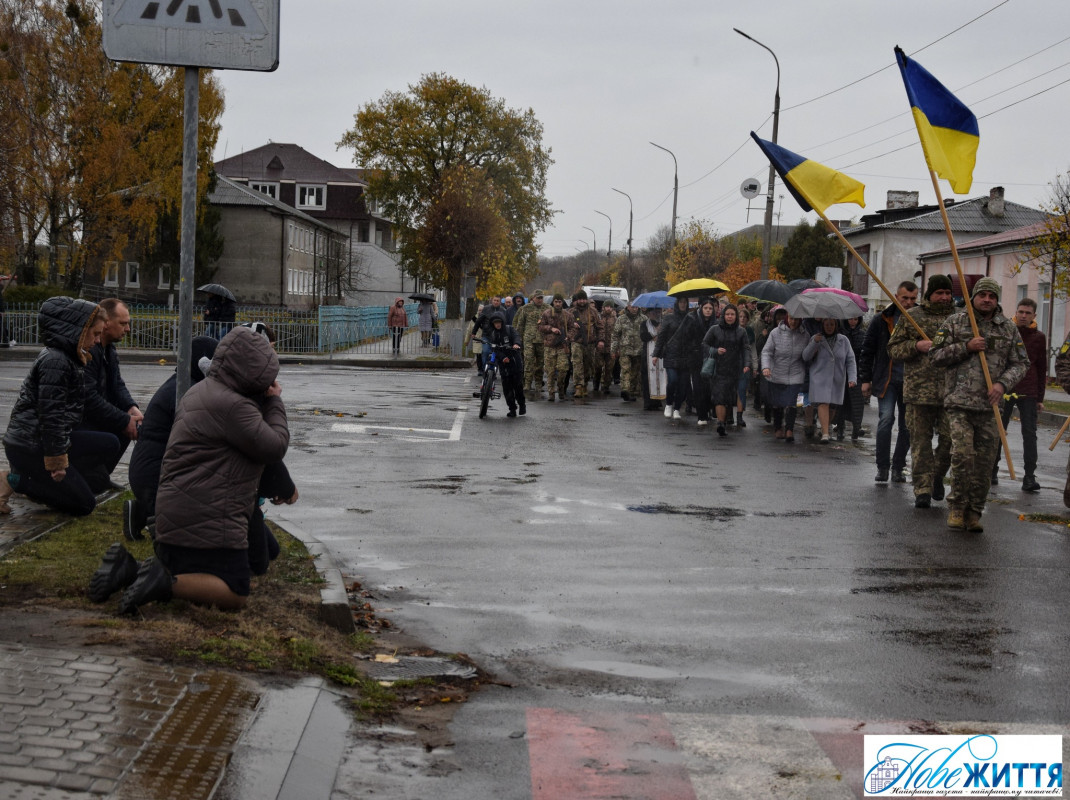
column 108, row 405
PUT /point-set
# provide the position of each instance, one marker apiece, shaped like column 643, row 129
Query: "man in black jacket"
column 108, row 404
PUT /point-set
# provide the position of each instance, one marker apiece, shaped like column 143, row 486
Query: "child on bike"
column 506, row 342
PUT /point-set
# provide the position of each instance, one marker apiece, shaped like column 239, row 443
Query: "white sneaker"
column 668, row 412
column 703, row 423
column 676, row 415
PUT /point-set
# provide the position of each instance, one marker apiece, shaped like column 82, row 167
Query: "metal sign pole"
column 191, row 118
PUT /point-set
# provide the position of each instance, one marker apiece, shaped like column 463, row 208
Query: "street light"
column 675, row 188
column 618, row 191
column 595, row 235
column 767, row 243
column 609, row 252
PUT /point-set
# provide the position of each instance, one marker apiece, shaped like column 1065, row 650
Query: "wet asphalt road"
column 599, row 556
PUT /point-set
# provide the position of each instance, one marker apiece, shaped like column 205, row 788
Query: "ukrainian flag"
column 813, row 185
column 947, row 128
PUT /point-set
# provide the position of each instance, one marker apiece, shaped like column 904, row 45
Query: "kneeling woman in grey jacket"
column 228, row 427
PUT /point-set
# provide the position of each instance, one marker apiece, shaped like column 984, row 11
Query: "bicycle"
column 490, row 376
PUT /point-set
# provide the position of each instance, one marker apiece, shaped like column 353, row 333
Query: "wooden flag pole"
column 1059, row 435
column 873, row 275
column 973, row 319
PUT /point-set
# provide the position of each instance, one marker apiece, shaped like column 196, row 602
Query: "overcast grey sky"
column 606, row 78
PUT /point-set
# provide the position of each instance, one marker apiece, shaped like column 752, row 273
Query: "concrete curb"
column 334, row 602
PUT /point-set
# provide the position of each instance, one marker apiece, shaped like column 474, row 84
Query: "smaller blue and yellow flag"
column 813, row 185
column 947, row 128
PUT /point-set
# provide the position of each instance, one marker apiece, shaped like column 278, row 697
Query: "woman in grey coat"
column 832, row 369
column 784, row 369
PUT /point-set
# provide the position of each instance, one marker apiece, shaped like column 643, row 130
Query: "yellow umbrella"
column 696, row 287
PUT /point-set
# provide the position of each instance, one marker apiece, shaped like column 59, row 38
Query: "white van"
column 618, row 293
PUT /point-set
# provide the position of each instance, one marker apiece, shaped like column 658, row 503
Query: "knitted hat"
column 559, row 296
column 580, row 295
column 986, row 285
column 937, row 282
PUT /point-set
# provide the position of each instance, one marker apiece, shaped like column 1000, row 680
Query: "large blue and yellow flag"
column 813, row 185
column 946, row 127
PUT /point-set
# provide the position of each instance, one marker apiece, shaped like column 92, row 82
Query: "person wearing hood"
column 666, row 350
column 923, row 391
column 969, row 400
column 832, row 370
column 48, row 456
column 1028, row 394
column 731, row 347
column 397, row 320
column 500, row 335
column 227, row 428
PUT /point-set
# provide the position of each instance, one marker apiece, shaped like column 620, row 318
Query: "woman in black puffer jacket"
column 47, row 455
column 677, row 388
column 688, row 344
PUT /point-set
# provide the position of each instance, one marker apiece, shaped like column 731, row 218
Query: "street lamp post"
column 618, row 191
column 675, row 188
column 609, row 251
column 593, row 234
column 767, row 243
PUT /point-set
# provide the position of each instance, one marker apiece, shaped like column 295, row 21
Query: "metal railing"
column 325, row 329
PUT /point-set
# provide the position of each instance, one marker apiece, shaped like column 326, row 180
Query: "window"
column 163, row 280
column 133, row 274
column 111, row 273
column 270, row 189
column 371, row 204
column 311, row 196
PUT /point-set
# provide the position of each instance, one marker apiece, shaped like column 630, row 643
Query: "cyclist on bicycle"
column 510, row 361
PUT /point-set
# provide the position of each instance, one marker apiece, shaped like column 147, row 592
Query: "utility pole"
column 676, row 187
column 618, row 191
column 609, row 252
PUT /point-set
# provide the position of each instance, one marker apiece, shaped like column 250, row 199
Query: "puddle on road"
column 718, row 513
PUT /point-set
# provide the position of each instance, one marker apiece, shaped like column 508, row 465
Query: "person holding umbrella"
column 785, row 372
column 666, row 349
column 220, row 311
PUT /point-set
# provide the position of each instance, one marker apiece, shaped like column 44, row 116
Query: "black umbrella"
column 422, row 297
column 219, row 289
column 766, row 291
column 800, row 284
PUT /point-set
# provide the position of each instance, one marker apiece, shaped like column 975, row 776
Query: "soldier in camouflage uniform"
column 969, row 402
column 603, row 359
column 627, row 346
column 557, row 328
column 587, row 342
column 526, row 323
column 923, row 391
column 1062, row 375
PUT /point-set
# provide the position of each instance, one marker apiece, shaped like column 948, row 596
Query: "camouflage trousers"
column 533, row 366
column 603, row 369
column 974, row 438
column 556, row 364
column 583, row 365
column 631, row 371
column 927, row 465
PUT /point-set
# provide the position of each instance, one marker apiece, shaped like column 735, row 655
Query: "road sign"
column 750, row 188
column 219, row 34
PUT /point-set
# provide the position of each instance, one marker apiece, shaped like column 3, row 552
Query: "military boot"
column 955, row 519
column 973, row 522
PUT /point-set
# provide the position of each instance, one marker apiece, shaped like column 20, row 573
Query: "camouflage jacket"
column 626, row 339
column 589, row 322
column 526, row 322
column 609, row 319
column 964, row 379
column 923, row 381
column 563, row 321
column 1062, row 365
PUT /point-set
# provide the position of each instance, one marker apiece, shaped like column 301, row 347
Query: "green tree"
column 1048, row 252
column 699, row 253
column 809, row 247
column 413, row 142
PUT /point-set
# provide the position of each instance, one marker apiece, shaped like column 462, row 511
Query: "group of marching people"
column 200, row 466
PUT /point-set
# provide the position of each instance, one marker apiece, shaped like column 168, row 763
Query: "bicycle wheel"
column 488, row 390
